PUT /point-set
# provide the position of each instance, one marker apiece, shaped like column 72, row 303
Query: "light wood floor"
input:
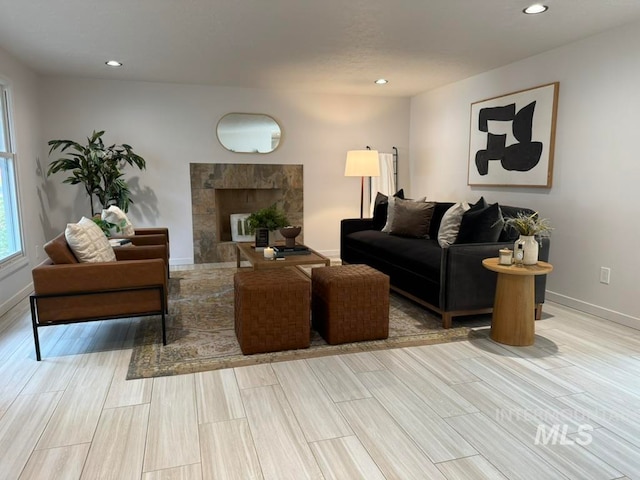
column 466, row 410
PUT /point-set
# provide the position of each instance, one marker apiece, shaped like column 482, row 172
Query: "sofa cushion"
column 380, row 208
column 391, row 211
column 438, row 213
column 88, row 242
column 115, row 215
column 412, row 219
column 59, row 251
column 481, row 204
column 412, row 254
column 385, row 215
column 481, row 225
column 450, row 225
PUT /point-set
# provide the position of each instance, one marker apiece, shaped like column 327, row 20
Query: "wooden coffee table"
column 258, row 262
column 514, row 307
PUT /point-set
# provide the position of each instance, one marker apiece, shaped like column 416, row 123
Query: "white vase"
column 530, row 249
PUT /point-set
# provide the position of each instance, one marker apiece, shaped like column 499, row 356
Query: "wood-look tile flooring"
column 466, row 410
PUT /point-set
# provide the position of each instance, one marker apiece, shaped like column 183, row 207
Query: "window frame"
column 10, row 180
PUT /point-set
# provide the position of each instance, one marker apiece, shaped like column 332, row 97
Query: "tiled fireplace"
column 221, row 189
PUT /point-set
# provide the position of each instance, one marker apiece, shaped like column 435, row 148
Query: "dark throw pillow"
column 481, row 225
column 481, row 204
column 412, row 219
column 380, row 208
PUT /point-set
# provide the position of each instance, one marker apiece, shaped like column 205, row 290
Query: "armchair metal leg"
column 164, row 329
column 36, row 340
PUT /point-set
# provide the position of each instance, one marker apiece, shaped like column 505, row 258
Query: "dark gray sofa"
column 450, row 281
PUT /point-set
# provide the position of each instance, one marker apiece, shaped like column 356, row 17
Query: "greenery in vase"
column 98, row 168
column 271, row 218
column 529, row 225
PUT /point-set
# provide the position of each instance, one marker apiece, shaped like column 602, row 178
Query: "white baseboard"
column 17, row 298
column 330, row 253
column 181, row 261
column 596, row 310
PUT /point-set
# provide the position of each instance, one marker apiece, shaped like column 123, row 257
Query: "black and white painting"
column 512, row 138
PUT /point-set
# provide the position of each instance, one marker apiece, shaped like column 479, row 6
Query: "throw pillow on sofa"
column 381, row 208
column 391, row 211
column 450, row 224
column 116, row 216
column 481, row 226
column 88, row 242
column 411, row 218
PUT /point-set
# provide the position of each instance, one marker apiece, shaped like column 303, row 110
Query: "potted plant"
column 264, row 221
column 98, row 168
column 529, row 227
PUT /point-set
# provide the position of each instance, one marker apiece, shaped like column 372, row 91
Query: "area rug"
column 201, row 336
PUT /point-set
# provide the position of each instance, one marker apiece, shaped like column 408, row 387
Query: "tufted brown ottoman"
column 271, row 309
column 350, row 303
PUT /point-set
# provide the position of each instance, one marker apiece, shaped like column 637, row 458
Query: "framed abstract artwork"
column 512, row 138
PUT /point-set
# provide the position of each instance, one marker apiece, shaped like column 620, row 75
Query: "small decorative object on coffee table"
column 290, row 233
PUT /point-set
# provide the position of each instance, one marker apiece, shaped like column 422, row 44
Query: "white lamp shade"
column 362, row 163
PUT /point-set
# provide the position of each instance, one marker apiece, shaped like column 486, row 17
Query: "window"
column 10, row 239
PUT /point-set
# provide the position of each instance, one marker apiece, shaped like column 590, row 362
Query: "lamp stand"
column 361, row 196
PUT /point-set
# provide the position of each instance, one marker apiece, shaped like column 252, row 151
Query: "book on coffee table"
column 281, row 251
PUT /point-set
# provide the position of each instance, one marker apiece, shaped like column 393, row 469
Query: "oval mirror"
column 248, row 133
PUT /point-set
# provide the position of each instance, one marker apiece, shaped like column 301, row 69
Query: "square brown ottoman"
column 350, row 303
column 271, row 310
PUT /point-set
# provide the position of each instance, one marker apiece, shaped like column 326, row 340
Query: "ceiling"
column 332, row 46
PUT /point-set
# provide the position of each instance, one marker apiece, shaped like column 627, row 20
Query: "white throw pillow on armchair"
column 116, row 216
column 88, row 242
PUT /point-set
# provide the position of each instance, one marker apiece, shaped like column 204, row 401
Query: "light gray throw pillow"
column 450, row 224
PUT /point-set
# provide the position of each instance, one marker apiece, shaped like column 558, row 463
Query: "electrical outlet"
column 605, row 275
column 38, row 252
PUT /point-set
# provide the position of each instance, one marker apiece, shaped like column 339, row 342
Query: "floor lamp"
column 362, row 163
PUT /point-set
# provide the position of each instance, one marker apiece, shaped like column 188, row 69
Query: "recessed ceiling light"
column 113, row 63
column 381, row 81
column 535, row 8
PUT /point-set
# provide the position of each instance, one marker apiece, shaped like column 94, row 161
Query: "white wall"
column 593, row 203
column 172, row 125
column 15, row 280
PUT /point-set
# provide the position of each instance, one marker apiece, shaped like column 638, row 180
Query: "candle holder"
column 506, row 256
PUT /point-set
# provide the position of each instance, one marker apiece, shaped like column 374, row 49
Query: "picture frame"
column 512, row 138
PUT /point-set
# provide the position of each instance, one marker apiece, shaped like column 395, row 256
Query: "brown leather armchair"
column 66, row 291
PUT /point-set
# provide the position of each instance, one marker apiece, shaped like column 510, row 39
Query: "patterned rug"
column 201, row 337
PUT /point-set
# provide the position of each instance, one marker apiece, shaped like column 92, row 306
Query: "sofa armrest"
column 151, row 239
column 140, row 252
column 83, row 277
column 352, row 225
column 466, row 285
column 143, row 252
column 153, row 231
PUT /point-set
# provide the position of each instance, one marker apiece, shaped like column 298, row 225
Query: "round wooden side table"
column 514, row 306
